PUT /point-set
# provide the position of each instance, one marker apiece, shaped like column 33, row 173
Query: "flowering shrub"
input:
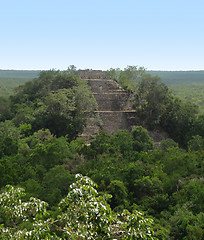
column 84, row 214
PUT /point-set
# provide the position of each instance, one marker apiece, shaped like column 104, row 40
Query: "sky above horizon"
column 157, row 35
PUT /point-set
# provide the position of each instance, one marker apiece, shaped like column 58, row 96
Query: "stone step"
column 112, row 102
column 101, row 85
column 115, row 120
column 114, row 107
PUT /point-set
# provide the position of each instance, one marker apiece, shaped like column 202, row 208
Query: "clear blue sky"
column 100, row 34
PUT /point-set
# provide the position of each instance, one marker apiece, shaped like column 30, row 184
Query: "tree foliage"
column 83, row 214
column 56, row 100
column 150, row 100
column 40, row 152
column 157, row 107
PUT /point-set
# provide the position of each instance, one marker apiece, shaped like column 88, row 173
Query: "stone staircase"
column 114, row 108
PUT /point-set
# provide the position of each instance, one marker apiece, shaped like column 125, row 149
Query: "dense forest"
column 10, row 79
column 187, row 85
column 56, row 186
column 179, row 77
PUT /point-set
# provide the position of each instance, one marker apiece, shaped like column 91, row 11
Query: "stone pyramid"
column 114, row 105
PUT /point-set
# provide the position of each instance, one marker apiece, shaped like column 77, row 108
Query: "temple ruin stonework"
column 114, row 105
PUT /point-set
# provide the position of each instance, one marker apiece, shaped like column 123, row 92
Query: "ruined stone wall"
column 113, row 121
column 114, row 105
column 112, row 102
column 104, row 85
column 92, row 74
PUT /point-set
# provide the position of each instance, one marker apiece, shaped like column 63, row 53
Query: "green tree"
column 122, row 141
column 191, row 195
column 9, row 171
column 129, row 76
column 5, row 111
column 199, row 126
column 150, row 100
column 141, row 140
column 59, row 114
column 71, row 69
column 119, row 194
column 26, row 219
column 55, row 100
column 83, row 214
column 9, row 135
column 101, row 144
column 49, row 153
column 113, row 73
column 8, row 129
column 178, row 120
column 196, row 143
column 186, row 225
column 55, row 184
column 168, row 143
